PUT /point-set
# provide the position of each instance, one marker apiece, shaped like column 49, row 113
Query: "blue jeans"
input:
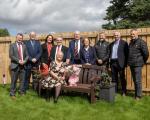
column 136, row 75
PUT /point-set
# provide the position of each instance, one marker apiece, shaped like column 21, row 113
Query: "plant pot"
column 107, row 93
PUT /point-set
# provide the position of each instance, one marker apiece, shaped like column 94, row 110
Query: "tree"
column 4, row 32
column 127, row 14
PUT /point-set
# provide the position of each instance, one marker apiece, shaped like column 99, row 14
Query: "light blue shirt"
column 115, row 50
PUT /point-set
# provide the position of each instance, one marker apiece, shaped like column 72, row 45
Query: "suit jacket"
column 70, row 54
column 92, row 56
column 44, row 56
column 14, row 55
column 102, row 51
column 122, row 52
column 35, row 52
column 64, row 49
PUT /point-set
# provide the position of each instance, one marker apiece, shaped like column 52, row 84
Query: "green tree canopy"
column 4, row 32
column 127, row 14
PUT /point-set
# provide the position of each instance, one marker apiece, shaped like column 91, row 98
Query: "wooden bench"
column 87, row 81
column 86, row 84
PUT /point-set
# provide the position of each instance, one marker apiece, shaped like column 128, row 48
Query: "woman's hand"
column 61, row 78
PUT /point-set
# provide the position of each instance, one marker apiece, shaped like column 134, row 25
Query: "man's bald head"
column 32, row 35
column 117, row 35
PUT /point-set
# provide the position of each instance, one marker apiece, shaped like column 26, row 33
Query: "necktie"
column 76, row 49
column 32, row 43
column 19, row 52
column 58, row 49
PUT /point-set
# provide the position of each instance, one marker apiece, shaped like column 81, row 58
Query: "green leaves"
column 106, row 79
column 127, row 14
column 4, row 32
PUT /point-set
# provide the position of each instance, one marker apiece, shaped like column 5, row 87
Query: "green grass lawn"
column 31, row 107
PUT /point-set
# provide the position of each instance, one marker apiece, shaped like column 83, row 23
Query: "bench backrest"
column 88, row 71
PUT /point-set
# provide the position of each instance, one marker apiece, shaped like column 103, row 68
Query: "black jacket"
column 64, row 49
column 138, row 52
column 122, row 53
column 44, row 57
column 102, row 51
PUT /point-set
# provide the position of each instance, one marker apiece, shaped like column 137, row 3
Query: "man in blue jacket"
column 75, row 46
column 34, row 52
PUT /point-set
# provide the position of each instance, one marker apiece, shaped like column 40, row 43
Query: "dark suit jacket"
column 14, row 56
column 44, row 56
column 70, row 54
column 35, row 52
column 122, row 52
column 64, row 49
column 102, row 51
column 92, row 55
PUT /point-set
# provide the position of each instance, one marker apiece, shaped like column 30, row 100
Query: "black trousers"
column 116, row 72
column 18, row 72
column 137, row 79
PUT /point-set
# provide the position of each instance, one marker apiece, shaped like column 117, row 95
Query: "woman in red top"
column 46, row 50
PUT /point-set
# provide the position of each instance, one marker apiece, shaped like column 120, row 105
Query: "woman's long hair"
column 52, row 39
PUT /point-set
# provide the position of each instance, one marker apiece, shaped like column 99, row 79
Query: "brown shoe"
column 22, row 94
column 137, row 98
column 13, row 97
column 123, row 94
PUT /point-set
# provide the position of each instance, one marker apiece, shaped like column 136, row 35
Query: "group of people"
column 28, row 55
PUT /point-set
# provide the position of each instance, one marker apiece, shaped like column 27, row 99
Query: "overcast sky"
column 45, row 16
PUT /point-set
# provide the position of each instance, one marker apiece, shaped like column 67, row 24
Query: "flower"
column 105, row 79
column 69, row 70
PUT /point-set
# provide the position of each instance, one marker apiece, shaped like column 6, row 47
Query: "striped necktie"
column 76, row 49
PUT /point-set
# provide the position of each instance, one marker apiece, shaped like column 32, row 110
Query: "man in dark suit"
column 102, row 50
column 19, row 56
column 75, row 46
column 118, row 60
column 138, row 55
column 59, row 48
column 34, row 51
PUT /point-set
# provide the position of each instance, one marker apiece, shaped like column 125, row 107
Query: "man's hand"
column 34, row 60
column 87, row 64
column 67, row 61
column 44, row 65
column 21, row 62
column 61, row 78
column 100, row 61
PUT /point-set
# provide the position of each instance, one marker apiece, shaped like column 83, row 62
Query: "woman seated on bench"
column 56, row 77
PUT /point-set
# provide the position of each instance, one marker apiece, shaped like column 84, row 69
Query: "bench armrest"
column 95, row 79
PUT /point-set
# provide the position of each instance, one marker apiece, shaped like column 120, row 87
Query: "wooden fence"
column 125, row 33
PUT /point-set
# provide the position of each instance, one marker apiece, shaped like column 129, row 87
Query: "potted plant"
column 107, row 88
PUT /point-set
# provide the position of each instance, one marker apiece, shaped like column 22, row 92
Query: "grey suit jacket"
column 14, row 56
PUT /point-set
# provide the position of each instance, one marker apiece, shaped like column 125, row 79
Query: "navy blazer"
column 92, row 56
column 35, row 52
column 70, row 54
column 122, row 52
